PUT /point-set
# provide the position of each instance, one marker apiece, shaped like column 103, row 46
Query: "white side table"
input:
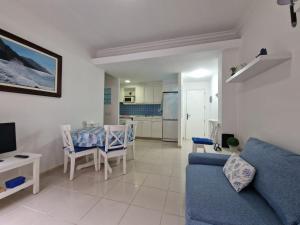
column 11, row 163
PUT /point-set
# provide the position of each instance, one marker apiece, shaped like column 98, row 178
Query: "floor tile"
column 106, row 212
column 157, row 181
column 175, row 204
column 62, row 203
column 122, row 192
column 172, row 220
column 140, row 216
column 177, row 185
column 134, row 178
column 90, row 185
column 150, row 198
column 25, row 216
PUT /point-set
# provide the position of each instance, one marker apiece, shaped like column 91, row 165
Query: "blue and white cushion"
column 239, row 172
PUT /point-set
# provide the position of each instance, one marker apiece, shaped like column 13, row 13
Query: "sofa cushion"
column 210, row 199
column 238, row 172
column 277, row 178
column 208, row 159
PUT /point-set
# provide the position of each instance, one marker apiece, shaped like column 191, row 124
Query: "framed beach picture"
column 28, row 68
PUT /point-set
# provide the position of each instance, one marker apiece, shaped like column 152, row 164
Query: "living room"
column 258, row 92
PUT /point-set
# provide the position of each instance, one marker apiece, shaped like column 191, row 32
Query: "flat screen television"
column 7, row 137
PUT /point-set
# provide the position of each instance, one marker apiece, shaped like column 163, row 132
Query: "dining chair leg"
column 99, row 161
column 72, row 167
column 66, row 162
column 124, row 164
column 133, row 150
column 96, row 160
column 105, row 167
column 118, row 160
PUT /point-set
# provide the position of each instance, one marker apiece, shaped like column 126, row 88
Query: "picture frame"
column 28, row 68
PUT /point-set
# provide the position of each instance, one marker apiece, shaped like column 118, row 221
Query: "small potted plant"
column 233, row 143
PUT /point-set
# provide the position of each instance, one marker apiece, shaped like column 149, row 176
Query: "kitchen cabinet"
column 148, row 95
column 156, row 128
column 139, row 94
column 146, row 129
column 157, row 95
column 149, row 127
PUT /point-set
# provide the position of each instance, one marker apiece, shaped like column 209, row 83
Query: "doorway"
column 195, row 114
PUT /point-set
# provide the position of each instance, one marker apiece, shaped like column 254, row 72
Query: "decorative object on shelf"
column 263, row 51
column 292, row 10
column 233, row 70
column 28, row 68
column 15, row 182
column 233, row 143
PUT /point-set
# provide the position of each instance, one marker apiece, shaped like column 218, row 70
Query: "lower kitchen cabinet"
column 149, row 127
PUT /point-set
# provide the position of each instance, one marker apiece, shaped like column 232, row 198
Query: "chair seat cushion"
column 210, row 199
column 81, row 149
column 111, row 150
column 203, row 141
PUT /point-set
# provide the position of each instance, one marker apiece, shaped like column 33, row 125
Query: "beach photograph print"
column 28, row 68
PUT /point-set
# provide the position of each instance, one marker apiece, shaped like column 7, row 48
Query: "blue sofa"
column 273, row 198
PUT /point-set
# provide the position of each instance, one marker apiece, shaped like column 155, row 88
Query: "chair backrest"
column 115, row 137
column 67, row 138
column 133, row 125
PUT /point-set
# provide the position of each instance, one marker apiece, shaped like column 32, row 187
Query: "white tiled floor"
column 152, row 193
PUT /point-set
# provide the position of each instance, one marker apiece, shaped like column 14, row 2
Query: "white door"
column 195, row 114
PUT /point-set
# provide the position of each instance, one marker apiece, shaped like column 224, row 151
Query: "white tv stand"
column 11, row 163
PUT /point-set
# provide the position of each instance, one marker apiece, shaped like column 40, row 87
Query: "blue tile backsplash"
column 140, row 109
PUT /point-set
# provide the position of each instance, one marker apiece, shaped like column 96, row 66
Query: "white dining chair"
column 131, row 142
column 115, row 146
column 72, row 152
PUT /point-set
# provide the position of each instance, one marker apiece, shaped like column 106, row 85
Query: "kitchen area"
column 152, row 107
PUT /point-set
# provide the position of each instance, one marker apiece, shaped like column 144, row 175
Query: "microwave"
column 129, row 99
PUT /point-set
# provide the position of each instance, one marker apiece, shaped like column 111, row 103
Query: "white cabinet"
column 139, row 94
column 147, row 128
column 157, row 95
column 156, row 129
column 139, row 128
column 144, row 93
column 148, row 95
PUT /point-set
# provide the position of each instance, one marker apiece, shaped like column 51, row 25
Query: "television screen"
column 7, row 137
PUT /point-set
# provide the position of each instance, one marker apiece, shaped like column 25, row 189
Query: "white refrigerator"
column 170, row 116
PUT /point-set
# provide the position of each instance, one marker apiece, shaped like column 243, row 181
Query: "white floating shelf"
column 258, row 66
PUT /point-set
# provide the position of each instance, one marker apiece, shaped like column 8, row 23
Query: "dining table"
column 93, row 137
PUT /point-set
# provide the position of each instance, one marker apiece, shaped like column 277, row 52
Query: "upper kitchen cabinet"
column 144, row 93
column 157, row 95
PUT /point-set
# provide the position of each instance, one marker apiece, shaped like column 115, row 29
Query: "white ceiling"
column 163, row 68
column 99, row 24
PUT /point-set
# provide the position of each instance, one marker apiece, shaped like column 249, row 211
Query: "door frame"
column 185, row 111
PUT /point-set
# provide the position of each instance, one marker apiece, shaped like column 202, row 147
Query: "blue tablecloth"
column 93, row 137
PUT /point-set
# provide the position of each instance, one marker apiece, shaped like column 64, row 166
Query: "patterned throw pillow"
column 239, row 172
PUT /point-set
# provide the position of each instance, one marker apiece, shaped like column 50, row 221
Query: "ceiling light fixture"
column 127, row 81
column 200, row 73
column 292, row 9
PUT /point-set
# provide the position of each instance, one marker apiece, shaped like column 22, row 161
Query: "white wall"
column 38, row 118
column 112, row 111
column 268, row 105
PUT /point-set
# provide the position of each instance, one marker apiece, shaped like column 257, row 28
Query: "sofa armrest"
column 208, row 159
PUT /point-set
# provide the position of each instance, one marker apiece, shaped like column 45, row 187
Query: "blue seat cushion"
column 111, row 150
column 210, row 199
column 277, row 178
column 203, row 141
column 80, row 149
